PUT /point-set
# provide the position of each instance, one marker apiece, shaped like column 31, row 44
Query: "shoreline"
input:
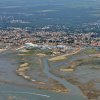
column 2, row 50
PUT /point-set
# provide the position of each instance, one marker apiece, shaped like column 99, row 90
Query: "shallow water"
column 19, row 92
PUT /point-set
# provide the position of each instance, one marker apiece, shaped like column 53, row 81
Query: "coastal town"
column 61, row 40
column 46, row 50
column 49, row 49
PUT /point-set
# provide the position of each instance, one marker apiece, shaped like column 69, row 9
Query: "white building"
column 31, row 45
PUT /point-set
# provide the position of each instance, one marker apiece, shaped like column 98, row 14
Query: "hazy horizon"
column 69, row 3
column 48, row 12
